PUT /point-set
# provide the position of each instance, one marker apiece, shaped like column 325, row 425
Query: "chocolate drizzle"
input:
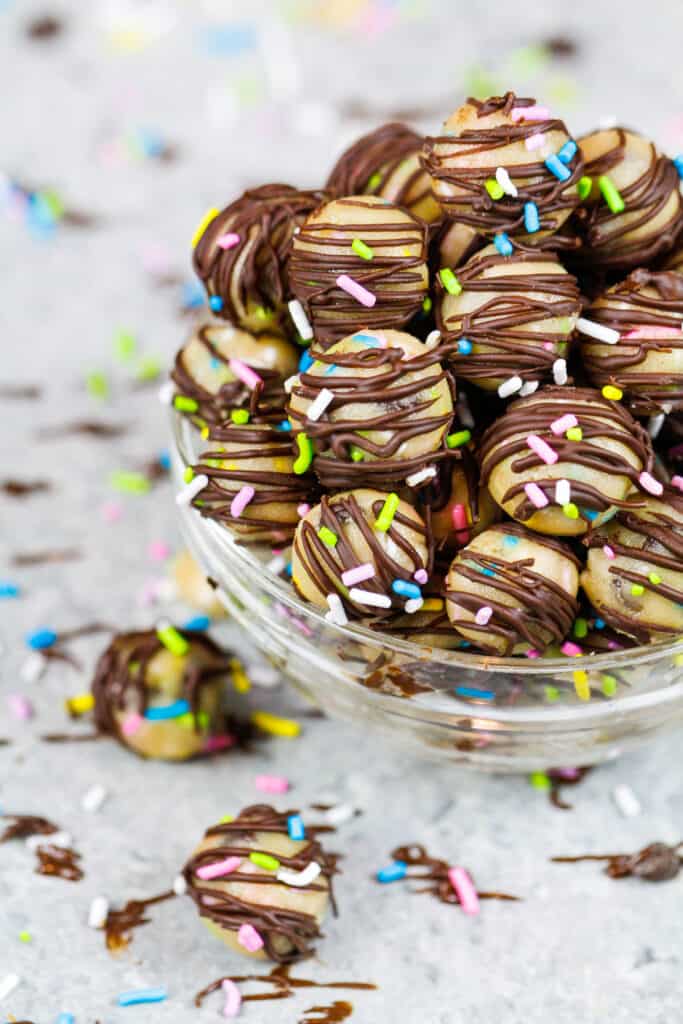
column 23, row 825
column 120, row 924
column 657, row 862
column 59, row 862
column 436, row 875
column 283, row 985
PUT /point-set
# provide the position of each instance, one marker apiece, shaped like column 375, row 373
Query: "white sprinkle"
column 626, row 800
column 264, row 675
column 483, row 616
column 510, row 386
column 8, row 984
column 166, row 392
column 563, row 492
column 291, row 383
column 367, row 597
column 505, row 182
column 528, row 388
column 33, row 668
column 94, row 798
column 560, row 371
column 338, row 814
column 598, row 331
column 336, row 613
column 276, row 565
column 179, row 885
column 56, row 839
column 655, row 424
column 413, row 605
column 191, row 490
column 424, row 474
column 433, row 339
column 301, row 321
column 97, row 915
column 317, row 408
column 299, row 878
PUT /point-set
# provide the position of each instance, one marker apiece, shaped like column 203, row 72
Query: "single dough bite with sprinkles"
column 376, row 409
column 508, row 318
column 505, row 167
column 360, row 554
column 262, row 883
column 634, row 573
column 561, row 459
column 359, row 263
column 386, row 163
column 633, row 207
column 512, row 592
column 224, row 370
column 159, row 692
column 457, row 506
column 631, row 338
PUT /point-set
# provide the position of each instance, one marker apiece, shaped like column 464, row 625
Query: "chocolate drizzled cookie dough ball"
column 223, row 368
column 159, row 692
column 376, row 409
column 510, row 317
column 256, row 482
column 634, row 574
column 638, row 344
column 504, row 166
column 361, row 553
column 262, row 883
column 559, row 460
column 633, row 211
column 458, row 507
column 510, row 591
column 242, row 254
column 359, row 263
column 386, row 163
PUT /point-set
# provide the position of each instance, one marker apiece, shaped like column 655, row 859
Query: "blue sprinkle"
column 164, row 459
column 599, row 623
column 487, row 572
column 216, row 303
column 8, row 589
column 678, row 164
column 568, row 152
column 174, row 710
column 556, row 167
column 142, row 995
column 532, row 221
column 471, row 691
column 464, row 347
column 193, row 295
column 331, row 368
column 509, row 540
column 589, row 514
column 295, row 827
column 41, row 638
column 393, row 873
column 306, row 361
column 367, row 339
column 405, row 589
column 284, row 425
column 198, row 623
column 214, row 363
column 229, row 40
column 288, row 568
column 464, row 643
column 503, row 244
column 65, row 1018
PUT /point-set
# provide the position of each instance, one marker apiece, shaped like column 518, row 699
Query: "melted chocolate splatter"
column 654, row 863
column 119, row 925
column 561, row 46
column 561, row 777
column 23, row 488
column 337, row 1011
column 283, row 985
column 50, row 556
column 44, row 27
column 65, row 737
column 436, row 875
column 24, row 825
column 83, row 428
column 59, row 861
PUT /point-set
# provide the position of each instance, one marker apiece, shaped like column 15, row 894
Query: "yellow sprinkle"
column 203, row 225
column 432, row 604
column 583, row 691
column 80, row 704
column 637, row 589
column 614, row 394
column 205, row 433
column 275, row 725
column 575, row 434
column 655, row 579
column 226, row 819
column 240, row 679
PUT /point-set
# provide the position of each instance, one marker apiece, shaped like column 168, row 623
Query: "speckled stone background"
column 240, row 94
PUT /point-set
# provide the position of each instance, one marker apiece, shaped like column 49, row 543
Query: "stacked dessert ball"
column 407, row 381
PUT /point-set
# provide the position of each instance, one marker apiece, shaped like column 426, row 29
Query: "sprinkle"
column 575, row 434
column 163, row 712
column 216, row 303
column 356, row 290
column 494, row 188
column 535, row 495
column 305, row 457
column 465, row 347
column 459, row 438
column 503, row 244
column 245, row 373
column 608, row 551
column 510, row 386
column 655, row 579
column 405, row 589
column 387, row 513
column 428, row 473
column 649, row 484
column 571, row 650
column 413, row 605
column 556, row 167
column 532, row 221
column 93, row 798
column 228, row 240
column 426, row 305
column 584, row 186
column 213, row 744
column 265, row 861
column 295, row 827
column 393, row 873
column 219, row 868
column 560, row 371
column 276, row 565
column 8, row 984
column 483, row 616
column 271, row 783
column 358, row 575
column 275, row 725
column 318, row 407
column 368, row 598
column 97, row 385
column 129, row 483
column 539, row 780
column 179, row 885
column 567, row 153
column 8, row 589
column 505, row 182
column 464, row 889
column 336, row 614
column 421, row 576
column 301, row 321
column 581, row 685
column 142, row 995
column 570, row 510
column 184, row 404
column 338, row 814
column 535, row 141
column 41, row 638
column 209, row 216
column 190, row 492
column 459, row 520
column 637, row 589
column 563, row 492
column 474, row 693
column 433, row 339
column 299, row 879
column 188, row 474
column 611, row 194
column 233, row 998
column 131, row 724
column 597, row 331
column 248, row 937
column 677, row 481
column 172, row 640
column 303, row 509
column 327, row 536
column 97, row 915
column 542, row 449
column 534, row 112
column 450, row 281
column 361, row 249
column 241, row 500
column 528, row 388
column 20, row 706
column 678, row 164
column 609, row 685
column 626, row 800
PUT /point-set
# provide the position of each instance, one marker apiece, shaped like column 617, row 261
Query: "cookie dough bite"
column 193, row 587
column 508, row 317
column 511, row 592
column 633, row 210
column 222, row 369
column 242, row 254
column 256, row 483
column 560, row 460
column 159, row 692
column 361, row 553
column 376, row 408
column 505, row 166
column 637, row 344
column 386, row 163
column 359, row 263
column 458, row 506
column 429, row 627
column 262, row 883
column 634, row 573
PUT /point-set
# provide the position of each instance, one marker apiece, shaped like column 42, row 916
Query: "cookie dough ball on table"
column 510, row 591
column 559, row 460
column 633, row 209
column 361, row 553
column 359, row 263
column 262, row 883
column 504, row 166
column 386, row 163
column 255, row 483
column 509, row 317
column 242, row 253
column 210, row 377
column 634, row 574
column 160, row 693
column 376, row 408
column 638, row 343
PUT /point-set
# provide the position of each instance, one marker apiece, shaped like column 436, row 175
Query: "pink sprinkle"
column 464, row 889
column 158, row 551
column 460, row 524
column 535, row 495
column 563, row 424
column 228, row 241
column 533, row 653
column 20, row 706
column 303, row 509
column 241, row 500
column 652, row 332
column 112, row 511
column 233, row 999
column 215, row 743
column 245, row 373
column 483, row 616
column 570, row 774
column 356, row 290
column 248, row 937
column 532, row 113
column 131, row 724
column 535, row 141
column 358, row 575
column 649, row 484
column 677, row 481
column 549, row 346
column 613, row 645
column 421, row 577
column 608, row 551
column 272, row 783
column 218, row 868
column 542, row 449
column 571, row 650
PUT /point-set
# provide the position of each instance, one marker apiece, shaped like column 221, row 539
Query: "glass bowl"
column 491, row 713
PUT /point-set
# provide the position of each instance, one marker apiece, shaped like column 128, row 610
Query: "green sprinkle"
column 97, row 385
column 450, row 281
column 239, row 416
column 188, row 475
column 494, row 188
column 580, row 628
column 185, row 404
column 327, row 536
column 124, row 345
column 148, row 368
column 386, row 516
column 226, row 819
column 609, row 685
column 262, row 313
column 173, row 641
column 584, row 186
column 25, row 936
column 427, row 305
column 53, row 202
column 129, row 483
column 539, row 780
column 361, row 249
column 356, row 454
column 374, row 182
column 188, row 720
column 305, row 458
column 611, row 194
column 637, row 589
column 264, row 860
column 458, row 439
column 570, row 510
column 655, row 579
column 575, row 434
column 552, row 693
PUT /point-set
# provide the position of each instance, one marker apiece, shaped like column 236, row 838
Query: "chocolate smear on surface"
column 66, row 737
column 337, row 1011
column 50, row 556
column 44, row 27
column 23, row 825
column 656, row 862
column 59, row 861
column 283, row 985
column 120, row 924
column 436, row 875
column 561, row 777
column 20, row 392
column 23, row 488
column 83, row 428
